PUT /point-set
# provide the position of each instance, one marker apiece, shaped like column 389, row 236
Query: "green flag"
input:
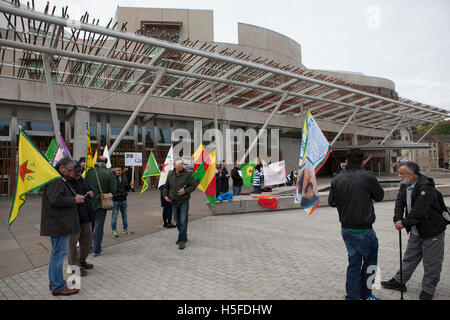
column 247, row 174
column 51, row 150
column 151, row 170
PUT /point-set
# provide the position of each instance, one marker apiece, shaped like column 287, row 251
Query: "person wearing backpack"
column 424, row 222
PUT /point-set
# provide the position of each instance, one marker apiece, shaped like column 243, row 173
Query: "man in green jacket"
column 177, row 191
column 108, row 184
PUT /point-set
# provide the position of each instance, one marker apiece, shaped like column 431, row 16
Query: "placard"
column 133, row 159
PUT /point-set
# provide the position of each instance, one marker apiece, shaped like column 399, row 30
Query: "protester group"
column 76, row 196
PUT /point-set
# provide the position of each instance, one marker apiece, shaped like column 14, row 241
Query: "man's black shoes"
column 426, row 296
column 393, row 284
column 182, row 246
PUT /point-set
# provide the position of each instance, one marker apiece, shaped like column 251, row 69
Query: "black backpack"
column 445, row 209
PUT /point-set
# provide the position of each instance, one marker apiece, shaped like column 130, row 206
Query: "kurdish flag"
column 34, row 171
column 49, row 154
column 247, row 174
column 314, row 152
column 205, row 173
column 151, row 170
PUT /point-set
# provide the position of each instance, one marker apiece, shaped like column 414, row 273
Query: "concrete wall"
column 361, row 79
column 261, row 38
column 195, row 24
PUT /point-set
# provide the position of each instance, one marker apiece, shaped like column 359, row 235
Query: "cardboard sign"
column 133, row 159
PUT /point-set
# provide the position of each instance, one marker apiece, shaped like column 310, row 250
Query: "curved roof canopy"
column 89, row 55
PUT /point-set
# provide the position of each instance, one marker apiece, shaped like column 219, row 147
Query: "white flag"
column 106, row 155
column 167, row 167
column 314, row 152
column 274, row 173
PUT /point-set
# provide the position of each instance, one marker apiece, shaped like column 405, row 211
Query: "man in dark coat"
column 59, row 219
column 236, row 176
column 120, row 203
column 353, row 192
column 426, row 226
column 177, row 191
column 85, row 212
column 108, row 184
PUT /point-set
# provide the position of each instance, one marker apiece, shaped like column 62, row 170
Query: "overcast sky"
column 407, row 42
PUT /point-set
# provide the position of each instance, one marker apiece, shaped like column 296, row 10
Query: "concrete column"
column 389, row 169
column 79, row 134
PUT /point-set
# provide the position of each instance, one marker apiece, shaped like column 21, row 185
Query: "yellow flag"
column 90, row 161
column 33, row 172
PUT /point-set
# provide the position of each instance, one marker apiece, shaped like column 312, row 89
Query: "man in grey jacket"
column 59, row 219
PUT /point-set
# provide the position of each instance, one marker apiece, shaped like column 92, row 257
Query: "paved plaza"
column 279, row 255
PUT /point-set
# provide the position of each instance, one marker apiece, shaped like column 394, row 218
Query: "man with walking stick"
column 426, row 227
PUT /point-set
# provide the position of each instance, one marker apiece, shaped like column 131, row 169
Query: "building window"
column 164, row 136
column 149, row 137
column 168, row 31
column 36, row 125
column 4, row 127
column 115, row 131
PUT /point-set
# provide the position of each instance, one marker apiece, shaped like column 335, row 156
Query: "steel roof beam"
column 31, row 14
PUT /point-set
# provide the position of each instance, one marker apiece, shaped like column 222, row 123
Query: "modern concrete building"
column 153, row 70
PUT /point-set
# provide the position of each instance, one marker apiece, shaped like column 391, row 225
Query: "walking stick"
column 401, row 271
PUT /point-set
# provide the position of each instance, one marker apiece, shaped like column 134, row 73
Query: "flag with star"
column 151, row 170
column 34, row 171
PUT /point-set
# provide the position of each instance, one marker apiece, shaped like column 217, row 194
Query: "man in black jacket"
column 352, row 192
column 236, row 176
column 120, row 203
column 85, row 213
column 426, row 227
column 59, row 219
column 177, row 191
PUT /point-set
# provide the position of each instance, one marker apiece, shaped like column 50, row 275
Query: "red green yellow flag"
column 206, row 175
column 199, row 156
column 151, row 170
column 34, row 171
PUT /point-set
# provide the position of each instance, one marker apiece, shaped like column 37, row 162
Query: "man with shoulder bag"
column 104, row 185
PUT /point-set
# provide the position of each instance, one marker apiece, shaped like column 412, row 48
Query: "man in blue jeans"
column 59, row 219
column 120, row 203
column 179, row 185
column 352, row 192
column 101, row 180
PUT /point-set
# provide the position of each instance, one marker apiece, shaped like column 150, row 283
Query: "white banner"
column 167, row 167
column 274, row 174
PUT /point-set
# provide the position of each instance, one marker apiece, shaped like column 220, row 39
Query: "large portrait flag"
column 314, row 152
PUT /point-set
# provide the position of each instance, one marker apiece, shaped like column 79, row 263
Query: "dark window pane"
column 4, row 127
column 36, row 125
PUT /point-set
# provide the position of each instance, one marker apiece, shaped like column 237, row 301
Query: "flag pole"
column 401, row 271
